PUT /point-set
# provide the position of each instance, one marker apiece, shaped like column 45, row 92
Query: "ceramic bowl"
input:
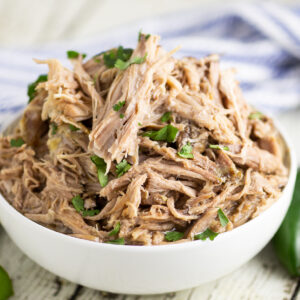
column 147, row 269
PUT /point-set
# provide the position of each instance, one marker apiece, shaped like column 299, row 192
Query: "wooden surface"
column 52, row 20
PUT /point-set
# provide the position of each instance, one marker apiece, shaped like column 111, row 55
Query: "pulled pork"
column 126, row 154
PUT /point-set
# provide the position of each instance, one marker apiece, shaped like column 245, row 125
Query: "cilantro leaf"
column 173, row 236
column 90, row 212
column 256, row 115
column 122, row 167
column 78, row 203
column 54, row 128
column 101, row 169
column 222, row 217
column 6, row 287
column 167, row 134
column 74, row 54
column 219, row 147
column 73, row 128
column 166, row 117
column 208, row 233
column 119, row 241
column 119, row 105
column 115, row 230
column 186, row 151
column 110, row 57
column 122, row 116
column 31, row 92
column 103, row 179
column 146, row 36
column 17, row 142
column 123, row 65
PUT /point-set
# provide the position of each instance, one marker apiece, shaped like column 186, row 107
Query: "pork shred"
column 237, row 162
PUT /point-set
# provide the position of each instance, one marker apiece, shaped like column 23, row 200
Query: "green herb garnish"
column 17, row 142
column 31, row 92
column 208, row 233
column 140, row 124
column 122, row 116
column 119, row 241
column 256, row 115
column 74, row 54
column 119, row 105
column 101, row 169
column 122, row 167
column 78, row 204
column 167, row 134
column 53, row 128
column 173, row 236
column 73, row 128
column 123, row 65
column 110, row 57
column 146, row 36
column 6, row 287
column 90, row 213
column 222, row 217
column 116, row 229
column 186, row 151
column 166, row 117
column 219, row 147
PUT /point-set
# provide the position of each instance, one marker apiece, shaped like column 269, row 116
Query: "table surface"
column 261, row 278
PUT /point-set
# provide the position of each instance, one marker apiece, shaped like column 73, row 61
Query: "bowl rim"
column 166, row 247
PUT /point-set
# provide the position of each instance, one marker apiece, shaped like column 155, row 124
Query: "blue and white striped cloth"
column 262, row 41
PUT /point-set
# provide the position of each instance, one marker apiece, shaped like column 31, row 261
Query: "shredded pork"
column 235, row 162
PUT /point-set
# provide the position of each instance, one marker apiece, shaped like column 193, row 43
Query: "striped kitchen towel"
column 262, row 41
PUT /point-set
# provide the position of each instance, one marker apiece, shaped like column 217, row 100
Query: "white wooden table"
column 262, row 278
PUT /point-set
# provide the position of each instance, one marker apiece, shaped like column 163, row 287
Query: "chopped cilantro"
column 17, row 142
column 222, row 217
column 140, row 124
column 256, row 115
column 73, row 128
column 208, row 233
column 166, row 117
column 53, row 128
column 31, row 92
column 6, row 287
column 146, row 36
column 173, row 236
column 101, row 169
column 167, row 134
column 78, row 203
column 123, row 65
column 122, row 116
column 119, row 105
column 74, row 54
column 119, row 241
column 115, row 230
column 122, row 167
column 110, row 57
column 186, row 151
column 90, row 213
column 219, row 147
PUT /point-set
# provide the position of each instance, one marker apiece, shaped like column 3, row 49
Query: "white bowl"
column 146, row 269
